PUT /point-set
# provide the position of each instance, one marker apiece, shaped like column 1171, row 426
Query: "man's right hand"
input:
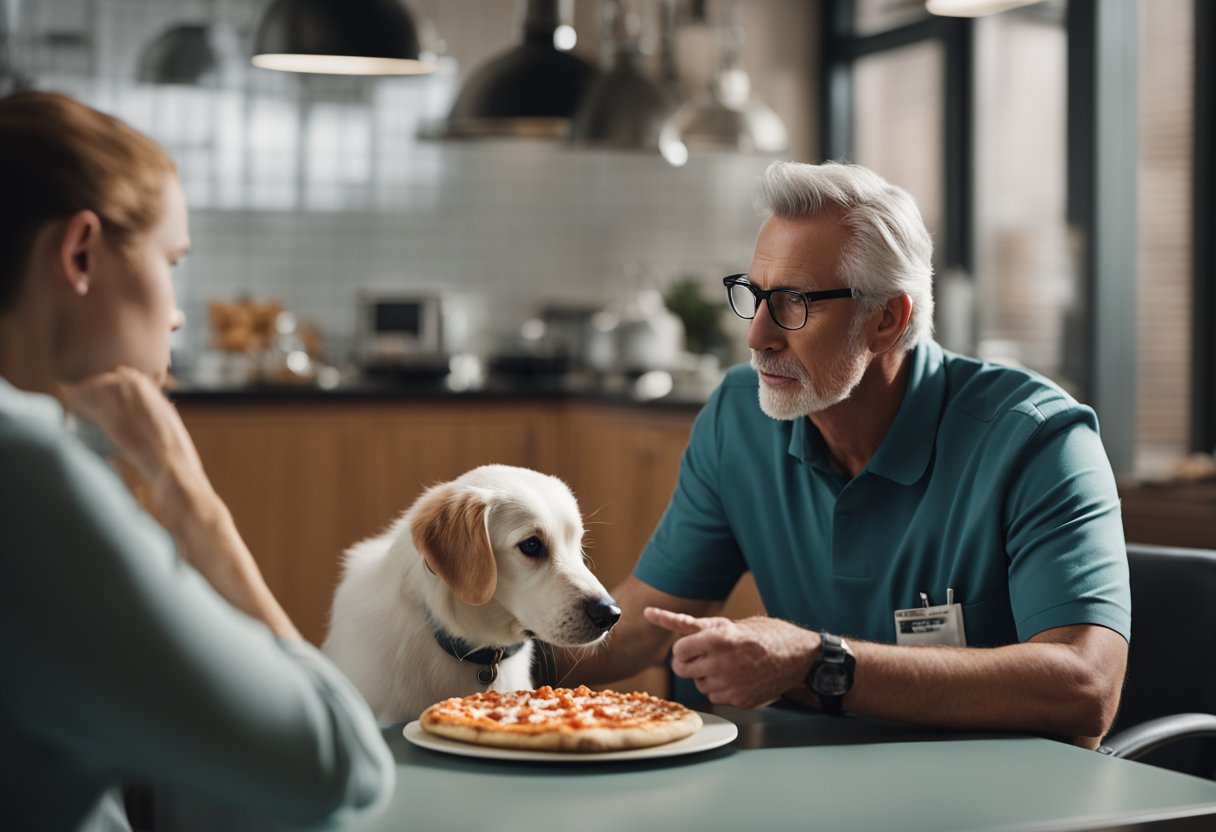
column 744, row 664
column 634, row 643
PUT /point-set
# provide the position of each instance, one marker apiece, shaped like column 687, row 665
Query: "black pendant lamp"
column 532, row 90
column 182, row 54
column 339, row 37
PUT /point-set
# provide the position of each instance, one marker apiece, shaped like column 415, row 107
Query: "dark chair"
column 1168, row 714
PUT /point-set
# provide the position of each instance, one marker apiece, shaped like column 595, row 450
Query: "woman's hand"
column 145, row 428
column 148, row 432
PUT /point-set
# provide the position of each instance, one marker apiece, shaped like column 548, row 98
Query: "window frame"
column 1101, row 158
column 841, row 46
column 1203, row 213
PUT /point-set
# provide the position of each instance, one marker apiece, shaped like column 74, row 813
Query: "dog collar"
column 462, row 651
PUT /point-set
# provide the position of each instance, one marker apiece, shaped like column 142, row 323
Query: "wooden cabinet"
column 622, row 463
column 1179, row 514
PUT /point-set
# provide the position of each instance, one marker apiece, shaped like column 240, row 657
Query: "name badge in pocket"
column 942, row 624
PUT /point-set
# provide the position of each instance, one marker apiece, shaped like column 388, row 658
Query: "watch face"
column 831, row 680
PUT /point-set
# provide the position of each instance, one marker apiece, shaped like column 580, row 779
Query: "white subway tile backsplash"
column 309, row 190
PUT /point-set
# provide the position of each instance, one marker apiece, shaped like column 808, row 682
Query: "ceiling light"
column 531, row 90
column 623, row 108
column 973, row 8
column 182, row 54
column 565, row 37
column 339, row 37
column 726, row 117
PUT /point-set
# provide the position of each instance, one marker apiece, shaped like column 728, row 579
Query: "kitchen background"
column 309, row 189
column 1050, row 149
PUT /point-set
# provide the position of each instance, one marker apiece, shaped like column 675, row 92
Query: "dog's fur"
column 456, row 554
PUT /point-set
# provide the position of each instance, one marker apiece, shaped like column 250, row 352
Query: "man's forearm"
column 1044, row 687
column 1063, row 682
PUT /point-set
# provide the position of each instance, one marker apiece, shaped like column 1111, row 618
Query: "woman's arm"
column 134, row 667
column 148, row 432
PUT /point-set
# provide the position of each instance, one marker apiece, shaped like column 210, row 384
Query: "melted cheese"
column 560, row 709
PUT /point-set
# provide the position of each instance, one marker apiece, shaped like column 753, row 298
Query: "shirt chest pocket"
column 990, row 621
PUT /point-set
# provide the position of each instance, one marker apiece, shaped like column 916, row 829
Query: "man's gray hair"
column 889, row 251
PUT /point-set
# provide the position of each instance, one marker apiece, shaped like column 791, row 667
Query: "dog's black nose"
column 603, row 612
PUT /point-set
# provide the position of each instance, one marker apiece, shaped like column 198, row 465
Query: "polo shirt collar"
column 904, row 454
column 907, row 448
column 806, row 445
column 36, row 407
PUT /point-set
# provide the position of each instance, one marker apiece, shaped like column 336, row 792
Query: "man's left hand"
column 744, row 664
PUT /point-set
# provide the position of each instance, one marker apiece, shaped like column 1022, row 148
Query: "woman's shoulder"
column 33, row 449
column 53, row 486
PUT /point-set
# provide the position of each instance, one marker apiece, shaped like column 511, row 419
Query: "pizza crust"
column 651, row 721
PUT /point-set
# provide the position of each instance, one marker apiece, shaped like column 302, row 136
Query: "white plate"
column 715, row 732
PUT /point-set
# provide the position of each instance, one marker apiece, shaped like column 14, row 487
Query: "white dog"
column 447, row 602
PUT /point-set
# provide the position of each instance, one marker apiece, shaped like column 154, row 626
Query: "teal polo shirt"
column 992, row 481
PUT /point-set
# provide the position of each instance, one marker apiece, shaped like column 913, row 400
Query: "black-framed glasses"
column 787, row 307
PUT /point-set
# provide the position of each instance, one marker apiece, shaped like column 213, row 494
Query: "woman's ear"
column 76, row 250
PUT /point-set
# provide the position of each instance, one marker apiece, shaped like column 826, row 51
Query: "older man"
column 937, row 540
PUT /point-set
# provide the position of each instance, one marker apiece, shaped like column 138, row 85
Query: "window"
column 1009, row 130
column 1164, row 267
column 898, row 94
column 1027, row 279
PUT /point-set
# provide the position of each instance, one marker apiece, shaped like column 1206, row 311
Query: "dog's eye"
column 533, row 547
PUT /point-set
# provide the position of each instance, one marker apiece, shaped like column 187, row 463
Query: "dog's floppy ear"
column 449, row 531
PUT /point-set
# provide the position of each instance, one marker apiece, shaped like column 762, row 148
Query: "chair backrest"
column 1172, row 661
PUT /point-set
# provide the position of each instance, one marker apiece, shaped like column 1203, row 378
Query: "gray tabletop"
column 790, row 769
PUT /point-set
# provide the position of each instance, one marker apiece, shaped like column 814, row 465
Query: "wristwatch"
column 832, row 676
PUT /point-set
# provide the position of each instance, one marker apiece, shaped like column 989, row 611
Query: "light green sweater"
column 122, row 665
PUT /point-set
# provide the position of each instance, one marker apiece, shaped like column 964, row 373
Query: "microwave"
column 400, row 331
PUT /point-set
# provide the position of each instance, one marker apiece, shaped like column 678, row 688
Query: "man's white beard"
column 839, row 379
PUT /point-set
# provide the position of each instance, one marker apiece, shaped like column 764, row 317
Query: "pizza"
column 561, row 719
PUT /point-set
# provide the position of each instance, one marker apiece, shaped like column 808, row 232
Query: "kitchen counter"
column 612, row 391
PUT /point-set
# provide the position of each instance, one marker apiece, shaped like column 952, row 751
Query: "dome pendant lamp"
column 183, row 54
column 622, row 108
column 339, row 37
column 726, row 117
column 530, row 91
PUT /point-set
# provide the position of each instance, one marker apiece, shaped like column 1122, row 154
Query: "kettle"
column 649, row 336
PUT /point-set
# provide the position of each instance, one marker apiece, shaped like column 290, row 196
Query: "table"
column 797, row 770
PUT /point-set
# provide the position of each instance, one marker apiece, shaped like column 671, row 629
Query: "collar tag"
column 489, row 673
column 488, row 657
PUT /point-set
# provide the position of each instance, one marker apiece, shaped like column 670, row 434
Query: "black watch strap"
column 833, row 705
column 831, row 676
